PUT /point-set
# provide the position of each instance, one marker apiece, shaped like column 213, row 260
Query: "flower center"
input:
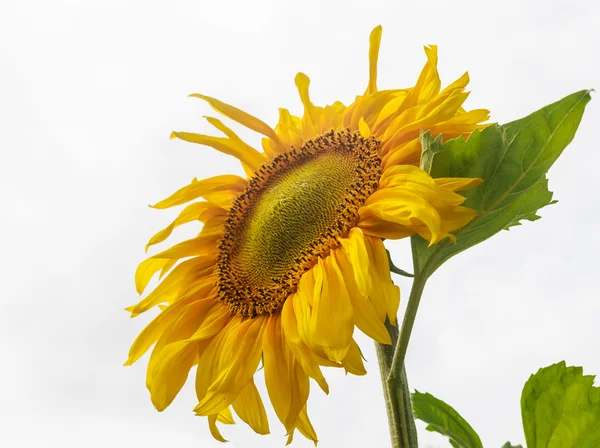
column 293, row 211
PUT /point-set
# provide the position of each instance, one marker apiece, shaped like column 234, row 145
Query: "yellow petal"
column 384, row 295
column 388, row 111
column 428, row 84
column 414, row 179
column 355, row 249
column 287, row 384
column 458, row 183
column 146, row 270
column 208, row 364
column 249, row 407
column 186, row 323
column 277, row 376
column 189, row 320
column 369, row 107
column 199, row 188
column 302, row 307
column 214, row 322
column 409, row 201
column 311, row 120
column 332, row 116
column 198, row 211
column 225, row 417
column 306, row 428
column 233, row 136
column 244, row 351
column 374, row 42
column 353, row 362
column 249, row 156
column 170, row 375
column 331, row 324
column 307, row 358
column 214, row 430
column 202, row 245
column 394, row 213
column 300, row 391
column 365, row 316
column 240, row 116
column 154, row 330
column 363, row 128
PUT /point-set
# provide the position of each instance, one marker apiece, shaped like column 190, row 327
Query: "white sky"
column 89, row 92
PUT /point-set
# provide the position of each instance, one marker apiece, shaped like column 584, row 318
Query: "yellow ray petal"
column 306, row 428
column 198, row 211
column 415, row 180
column 300, row 390
column 332, row 116
column 202, row 245
column 374, row 42
column 409, row 201
column 214, row 322
column 249, row 407
column 353, row 362
column 300, row 350
column 247, row 347
column 198, row 188
column 384, row 295
column 458, row 183
column 249, row 156
column 311, row 120
column 192, row 321
column 269, row 151
column 208, row 364
column 369, row 107
column 365, row 316
column 355, row 249
column 363, row 128
column 214, row 430
column 225, row 417
column 388, row 112
column 287, row 384
column 277, row 376
column 393, row 213
column 240, row 116
column 331, row 324
column 428, row 84
column 154, row 330
column 171, row 373
column 186, row 323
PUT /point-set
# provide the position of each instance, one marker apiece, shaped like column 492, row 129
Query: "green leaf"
column 560, row 408
column 512, row 159
column 444, row 419
column 509, row 445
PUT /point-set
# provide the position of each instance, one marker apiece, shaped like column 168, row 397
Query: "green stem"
column 397, row 396
column 391, row 365
column 407, row 326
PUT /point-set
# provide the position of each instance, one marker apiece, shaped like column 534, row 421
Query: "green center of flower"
column 293, row 211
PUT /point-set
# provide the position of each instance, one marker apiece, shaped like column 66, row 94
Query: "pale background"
column 89, row 92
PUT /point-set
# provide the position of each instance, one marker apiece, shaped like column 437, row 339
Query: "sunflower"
column 290, row 259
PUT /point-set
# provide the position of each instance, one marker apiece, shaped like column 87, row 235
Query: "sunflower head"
column 293, row 211
column 290, row 260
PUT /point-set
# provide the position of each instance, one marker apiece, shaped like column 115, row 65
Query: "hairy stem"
column 391, row 365
column 397, row 396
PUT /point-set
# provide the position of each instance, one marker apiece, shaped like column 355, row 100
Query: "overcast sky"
column 89, row 93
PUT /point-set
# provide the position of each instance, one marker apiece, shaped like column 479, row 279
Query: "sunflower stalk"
column 391, row 364
column 396, row 393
